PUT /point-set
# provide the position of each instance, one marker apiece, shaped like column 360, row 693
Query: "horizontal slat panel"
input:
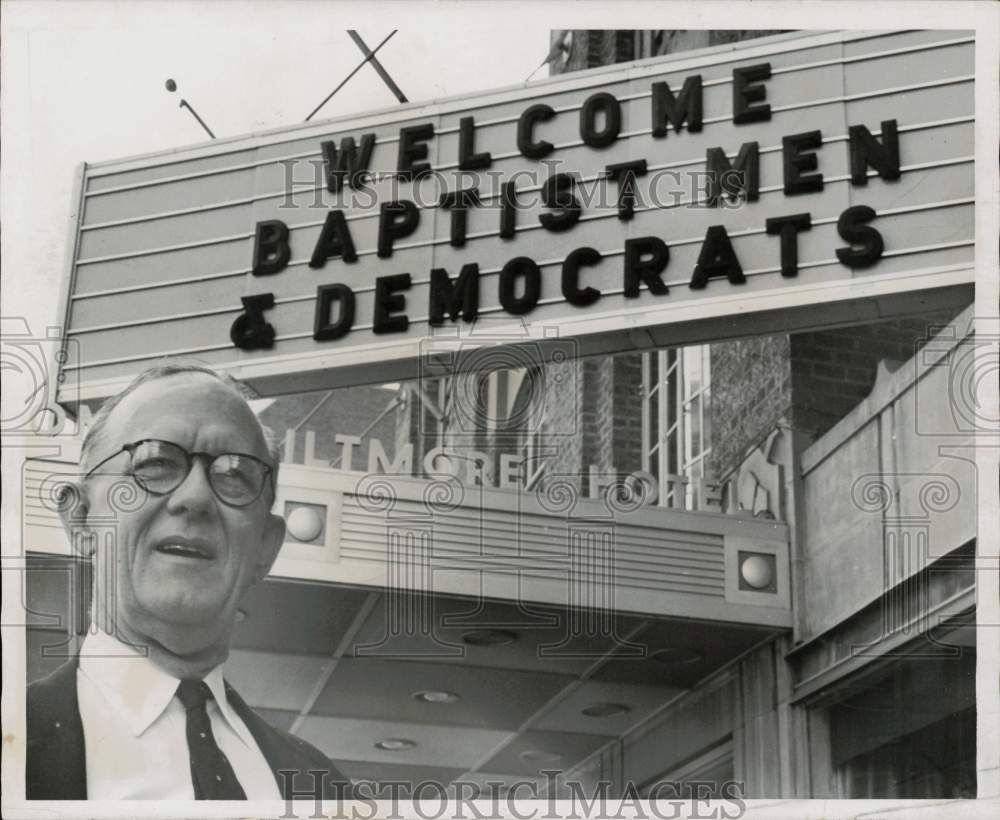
column 537, row 546
column 538, row 543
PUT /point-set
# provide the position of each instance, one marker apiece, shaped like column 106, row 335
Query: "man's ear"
column 273, row 538
column 73, row 508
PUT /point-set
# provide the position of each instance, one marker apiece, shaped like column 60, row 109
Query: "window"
column 909, row 731
column 676, row 385
column 934, row 761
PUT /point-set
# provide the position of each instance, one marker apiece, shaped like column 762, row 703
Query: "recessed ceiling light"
column 395, row 744
column 540, row 756
column 605, row 710
column 676, row 655
column 436, row 696
column 489, row 637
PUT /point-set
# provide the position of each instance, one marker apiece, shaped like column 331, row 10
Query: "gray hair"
column 162, row 371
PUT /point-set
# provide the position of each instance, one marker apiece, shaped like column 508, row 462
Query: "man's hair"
column 163, row 371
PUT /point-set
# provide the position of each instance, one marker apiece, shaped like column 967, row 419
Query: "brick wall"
column 751, row 390
column 626, row 415
column 566, row 424
column 833, row 370
column 593, row 417
column 812, row 380
column 609, row 408
column 598, row 408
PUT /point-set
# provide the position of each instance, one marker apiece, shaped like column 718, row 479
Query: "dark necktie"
column 211, row 774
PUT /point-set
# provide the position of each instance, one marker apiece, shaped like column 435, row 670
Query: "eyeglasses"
column 160, row 467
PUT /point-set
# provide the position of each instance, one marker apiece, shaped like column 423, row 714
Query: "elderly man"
column 144, row 711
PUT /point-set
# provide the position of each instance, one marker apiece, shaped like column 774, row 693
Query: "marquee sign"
column 611, row 208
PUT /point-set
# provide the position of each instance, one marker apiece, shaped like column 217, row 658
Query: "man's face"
column 184, row 599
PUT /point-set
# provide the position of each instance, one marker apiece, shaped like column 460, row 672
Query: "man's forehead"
column 189, row 404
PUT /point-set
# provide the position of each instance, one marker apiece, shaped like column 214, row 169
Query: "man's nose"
column 194, row 493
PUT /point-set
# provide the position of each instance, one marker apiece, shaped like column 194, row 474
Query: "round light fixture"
column 395, row 744
column 304, row 523
column 603, row 710
column 676, row 656
column 757, row 571
column 540, row 756
column 436, row 696
column 489, row 637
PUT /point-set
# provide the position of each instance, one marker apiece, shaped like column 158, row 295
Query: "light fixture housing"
column 436, row 696
column 540, row 756
column 604, row 710
column 489, row 637
column 676, row 656
column 395, row 744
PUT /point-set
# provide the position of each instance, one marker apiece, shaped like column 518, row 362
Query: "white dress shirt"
column 134, row 728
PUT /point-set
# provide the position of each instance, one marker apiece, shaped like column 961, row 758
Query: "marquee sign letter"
column 251, row 331
column 270, row 248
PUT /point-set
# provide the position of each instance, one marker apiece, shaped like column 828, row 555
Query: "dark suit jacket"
column 57, row 765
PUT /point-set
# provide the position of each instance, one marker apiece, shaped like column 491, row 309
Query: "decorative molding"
column 756, row 486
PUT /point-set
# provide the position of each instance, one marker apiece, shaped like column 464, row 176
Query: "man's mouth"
column 186, row 548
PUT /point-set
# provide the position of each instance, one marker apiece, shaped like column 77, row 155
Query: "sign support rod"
column 379, row 68
column 348, row 77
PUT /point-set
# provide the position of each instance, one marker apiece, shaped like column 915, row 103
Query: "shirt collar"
column 138, row 688
column 216, row 683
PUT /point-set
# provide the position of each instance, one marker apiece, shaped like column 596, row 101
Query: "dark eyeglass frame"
column 189, row 457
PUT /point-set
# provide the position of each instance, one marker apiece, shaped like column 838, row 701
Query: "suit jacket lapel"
column 279, row 753
column 56, row 760
column 294, row 763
